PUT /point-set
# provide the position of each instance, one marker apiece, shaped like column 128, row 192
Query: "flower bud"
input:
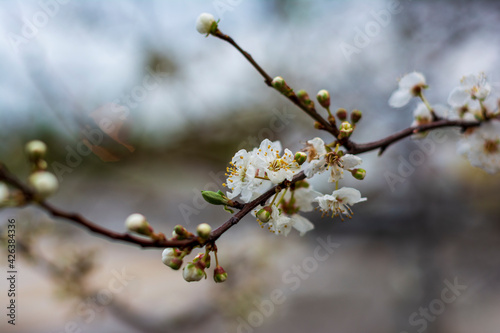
column 279, row 84
column 192, row 273
column 342, row 114
column 345, row 130
column 358, row 173
column 301, row 184
column 181, row 232
column 206, row 24
column 44, row 183
column 220, row 274
column 169, row 258
column 137, row 223
column 303, row 97
column 264, row 215
column 202, row 260
column 215, row 198
column 323, row 97
column 204, row 230
column 356, row 116
column 300, row 157
column 36, row 149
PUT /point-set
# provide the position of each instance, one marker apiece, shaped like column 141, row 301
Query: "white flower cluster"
column 472, row 100
column 250, row 174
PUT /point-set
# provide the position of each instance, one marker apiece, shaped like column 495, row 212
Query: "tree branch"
column 385, row 142
column 268, row 79
column 29, row 195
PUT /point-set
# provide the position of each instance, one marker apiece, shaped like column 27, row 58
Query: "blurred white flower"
column 204, row 23
column 482, row 146
column 410, row 86
column 472, row 87
column 339, row 202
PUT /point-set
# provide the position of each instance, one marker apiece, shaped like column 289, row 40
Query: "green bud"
column 345, row 130
column 204, row 230
column 279, row 84
column 181, row 232
column 342, row 114
column 202, row 260
column 215, row 198
column 303, row 97
column 264, row 215
column 300, row 157
column 323, row 97
column 358, row 173
column 220, row 274
column 356, row 116
column 318, row 125
column 331, row 120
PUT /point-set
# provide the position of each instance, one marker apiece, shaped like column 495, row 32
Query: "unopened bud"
column 301, row 184
column 264, row 215
column 220, row 274
column 202, row 260
column 303, row 97
column 300, row 157
column 192, row 273
column 44, row 183
column 358, row 173
column 169, row 257
column 36, row 149
column 181, row 232
column 137, row 223
column 323, row 97
column 215, row 198
column 204, row 230
column 279, row 84
column 356, row 116
column 206, row 24
column 345, row 130
column 342, row 114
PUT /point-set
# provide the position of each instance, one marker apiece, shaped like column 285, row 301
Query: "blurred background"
column 165, row 109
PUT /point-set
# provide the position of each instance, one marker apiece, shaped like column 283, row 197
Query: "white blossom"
column 204, row 23
column 339, row 201
column 482, row 146
column 409, row 86
column 345, row 162
column 316, row 153
column 242, row 177
column 472, row 87
column 277, row 167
